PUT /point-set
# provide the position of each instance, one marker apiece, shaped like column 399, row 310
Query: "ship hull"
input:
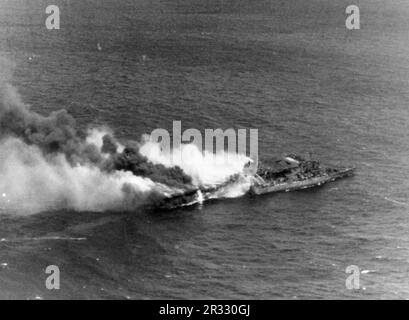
column 300, row 185
column 195, row 196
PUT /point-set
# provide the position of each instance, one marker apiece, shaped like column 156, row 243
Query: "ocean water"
column 288, row 68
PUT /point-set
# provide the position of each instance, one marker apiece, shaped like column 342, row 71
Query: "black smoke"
column 58, row 133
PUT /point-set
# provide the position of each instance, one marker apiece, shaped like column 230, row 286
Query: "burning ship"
column 290, row 173
column 295, row 173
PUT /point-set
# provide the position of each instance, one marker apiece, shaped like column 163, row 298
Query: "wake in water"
column 405, row 204
column 49, row 238
column 48, row 163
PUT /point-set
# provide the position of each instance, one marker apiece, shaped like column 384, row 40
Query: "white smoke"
column 30, row 182
column 33, row 181
column 205, row 168
column 95, row 136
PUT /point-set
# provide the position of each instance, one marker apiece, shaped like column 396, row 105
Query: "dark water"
column 288, row 68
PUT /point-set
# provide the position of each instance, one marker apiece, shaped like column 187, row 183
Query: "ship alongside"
column 296, row 173
column 289, row 173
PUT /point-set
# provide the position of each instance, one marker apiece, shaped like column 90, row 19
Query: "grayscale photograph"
column 204, row 150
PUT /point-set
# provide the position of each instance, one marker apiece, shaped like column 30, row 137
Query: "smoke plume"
column 47, row 162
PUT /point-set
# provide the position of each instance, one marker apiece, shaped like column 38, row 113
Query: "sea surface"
column 289, row 68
